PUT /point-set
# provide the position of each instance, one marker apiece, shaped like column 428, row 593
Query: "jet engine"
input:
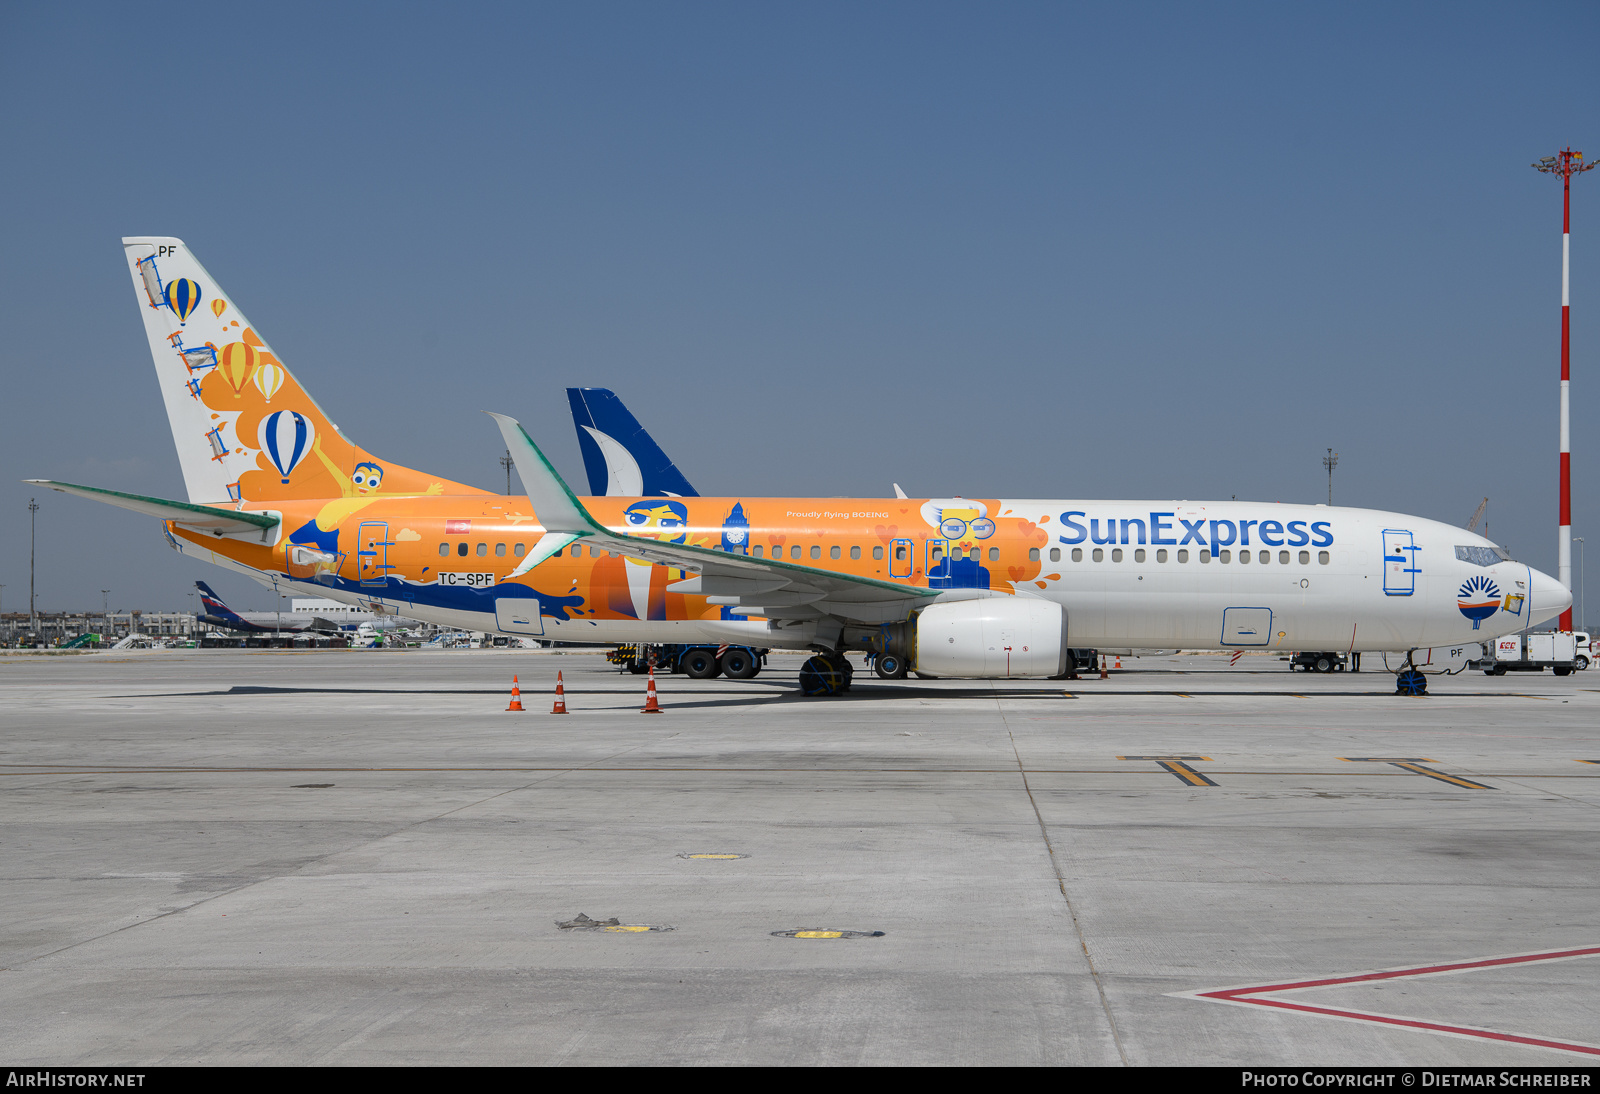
column 992, row 637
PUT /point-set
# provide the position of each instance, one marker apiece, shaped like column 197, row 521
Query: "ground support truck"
column 1553, row 650
column 698, row 662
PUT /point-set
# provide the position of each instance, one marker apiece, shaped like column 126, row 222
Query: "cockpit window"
column 1483, row 556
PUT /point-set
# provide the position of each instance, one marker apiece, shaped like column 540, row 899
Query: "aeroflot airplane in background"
column 950, row 587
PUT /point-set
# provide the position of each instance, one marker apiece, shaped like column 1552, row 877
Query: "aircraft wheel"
column 699, row 664
column 820, row 675
column 739, row 665
column 1410, row 682
column 891, row 666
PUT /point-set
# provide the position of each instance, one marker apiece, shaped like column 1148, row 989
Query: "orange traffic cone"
column 1103, row 673
column 1119, row 660
column 650, row 704
column 561, row 697
column 516, row 696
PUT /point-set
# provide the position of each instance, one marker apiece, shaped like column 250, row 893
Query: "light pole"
column 508, row 463
column 33, row 615
column 1565, row 163
column 1583, row 614
column 1330, row 461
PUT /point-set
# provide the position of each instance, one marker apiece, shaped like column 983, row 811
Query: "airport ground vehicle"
column 1321, row 661
column 700, row 662
column 1553, row 650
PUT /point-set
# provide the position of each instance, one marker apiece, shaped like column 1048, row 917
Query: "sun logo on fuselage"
column 1478, row 598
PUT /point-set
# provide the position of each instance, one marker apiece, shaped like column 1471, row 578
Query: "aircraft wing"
column 762, row 586
column 204, row 518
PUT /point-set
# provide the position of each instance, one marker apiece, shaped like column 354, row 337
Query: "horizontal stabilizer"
column 205, row 518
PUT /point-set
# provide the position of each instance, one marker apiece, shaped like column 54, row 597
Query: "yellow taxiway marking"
column 1179, row 766
column 628, row 927
column 819, row 934
column 1414, row 764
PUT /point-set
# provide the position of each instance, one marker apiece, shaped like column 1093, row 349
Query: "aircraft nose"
column 1548, row 596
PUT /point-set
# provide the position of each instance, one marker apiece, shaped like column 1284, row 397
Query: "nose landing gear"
column 1409, row 681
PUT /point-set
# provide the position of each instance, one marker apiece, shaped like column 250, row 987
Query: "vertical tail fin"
column 214, row 605
column 621, row 459
column 244, row 427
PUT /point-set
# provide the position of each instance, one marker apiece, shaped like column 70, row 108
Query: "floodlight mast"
column 1565, row 163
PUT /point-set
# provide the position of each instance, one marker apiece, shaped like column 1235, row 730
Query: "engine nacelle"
column 993, row 637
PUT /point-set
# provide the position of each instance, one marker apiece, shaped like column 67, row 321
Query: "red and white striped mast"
column 1565, row 163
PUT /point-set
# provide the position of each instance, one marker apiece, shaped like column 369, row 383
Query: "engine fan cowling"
column 994, row 637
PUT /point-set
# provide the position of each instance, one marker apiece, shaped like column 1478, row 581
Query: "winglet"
column 556, row 506
column 899, row 493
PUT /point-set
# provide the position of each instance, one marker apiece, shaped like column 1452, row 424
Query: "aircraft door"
column 902, row 553
column 1399, row 563
column 372, row 552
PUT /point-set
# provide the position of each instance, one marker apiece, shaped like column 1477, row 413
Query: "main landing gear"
column 826, row 673
column 890, row 666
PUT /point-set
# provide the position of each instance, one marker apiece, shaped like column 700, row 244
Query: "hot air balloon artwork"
column 183, row 297
column 268, row 379
column 218, row 306
column 286, row 438
column 237, row 362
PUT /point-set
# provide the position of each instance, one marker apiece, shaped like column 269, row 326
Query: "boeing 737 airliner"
column 950, row 587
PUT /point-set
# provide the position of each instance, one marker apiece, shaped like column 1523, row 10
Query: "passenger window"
column 1116, row 554
column 1322, row 557
column 994, row 554
column 1099, row 555
column 899, row 554
column 1138, row 554
column 1205, row 555
column 1264, row 558
column 1161, row 555
column 816, row 552
column 1305, row 558
column 877, row 553
column 1283, row 558
column 938, row 554
column 1033, row 554
column 499, row 550
column 794, row 552
column 1183, row 555
column 444, row 549
column 1055, row 554
column 594, row 552
column 1224, row 556
column 756, row 551
column 483, row 550
column 833, row 552
column 855, row 552
column 461, row 549
column 522, row 549
column 1077, row 554
column 1244, row 557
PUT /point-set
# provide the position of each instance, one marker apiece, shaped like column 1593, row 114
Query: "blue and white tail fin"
column 215, row 607
column 621, row 459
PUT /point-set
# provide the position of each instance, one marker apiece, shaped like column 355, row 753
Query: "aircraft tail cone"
column 516, row 696
column 650, row 704
column 1104, row 674
column 561, row 697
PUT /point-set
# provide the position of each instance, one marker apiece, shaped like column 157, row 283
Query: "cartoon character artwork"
column 954, row 556
column 638, row 590
column 359, row 490
column 1478, row 598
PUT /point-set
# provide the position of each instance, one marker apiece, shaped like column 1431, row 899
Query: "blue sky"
column 1047, row 250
